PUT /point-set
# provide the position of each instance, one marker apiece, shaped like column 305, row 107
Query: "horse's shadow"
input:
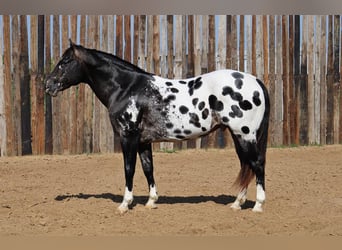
column 220, row 199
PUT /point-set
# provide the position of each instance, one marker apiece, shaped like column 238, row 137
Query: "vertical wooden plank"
column 48, row 101
column 205, row 40
column 311, row 83
column 211, row 44
column 291, row 81
column 40, row 88
column 190, row 64
column 336, row 81
column 317, row 82
column 34, row 66
column 278, row 118
column 286, row 95
column 265, row 45
column 330, row 83
column 149, row 56
column 340, row 122
column 229, row 41
column 8, row 88
column 248, row 50
column 156, row 44
column 56, row 102
column 3, row 117
column 128, row 46
column 296, row 56
column 142, row 33
column 25, row 89
column 136, row 40
column 303, row 99
column 37, row 85
column 254, row 50
column 170, row 53
column 242, row 44
column 142, row 42
column 16, row 82
column 197, row 45
column 269, row 71
column 119, row 37
column 323, row 80
column 259, row 48
column 80, row 140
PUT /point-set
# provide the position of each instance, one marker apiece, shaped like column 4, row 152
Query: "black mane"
column 117, row 61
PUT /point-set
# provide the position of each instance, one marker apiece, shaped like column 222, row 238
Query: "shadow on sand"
column 220, row 199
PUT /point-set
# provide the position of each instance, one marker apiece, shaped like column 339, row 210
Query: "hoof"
column 257, row 208
column 235, row 207
column 151, row 204
column 122, row 210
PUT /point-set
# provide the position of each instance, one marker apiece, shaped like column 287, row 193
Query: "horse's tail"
column 253, row 154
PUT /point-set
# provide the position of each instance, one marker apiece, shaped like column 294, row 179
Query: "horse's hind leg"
column 252, row 162
column 145, row 153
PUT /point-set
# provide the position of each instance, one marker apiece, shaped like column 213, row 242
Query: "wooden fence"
column 298, row 58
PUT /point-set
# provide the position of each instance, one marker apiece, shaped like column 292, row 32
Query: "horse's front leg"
column 129, row 144
column 145, row 153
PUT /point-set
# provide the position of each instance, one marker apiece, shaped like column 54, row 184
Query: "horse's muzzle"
column 51, row 87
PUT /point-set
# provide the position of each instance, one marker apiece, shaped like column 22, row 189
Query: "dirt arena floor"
column 78, row 195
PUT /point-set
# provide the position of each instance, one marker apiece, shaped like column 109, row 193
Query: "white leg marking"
column 260, row 199
column 127, row 200
column 151, row 203
column 240, row 200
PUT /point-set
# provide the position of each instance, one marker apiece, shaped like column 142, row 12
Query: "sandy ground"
column 78, row 195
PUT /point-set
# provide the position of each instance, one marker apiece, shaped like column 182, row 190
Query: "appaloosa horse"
column 145, row 108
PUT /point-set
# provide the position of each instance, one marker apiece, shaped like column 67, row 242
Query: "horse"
column 144, row 108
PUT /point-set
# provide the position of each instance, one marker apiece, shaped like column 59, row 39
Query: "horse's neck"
column 102, row 88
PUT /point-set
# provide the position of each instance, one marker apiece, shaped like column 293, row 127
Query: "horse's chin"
column 52, row 93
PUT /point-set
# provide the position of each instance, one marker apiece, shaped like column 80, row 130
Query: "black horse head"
column 68, row 71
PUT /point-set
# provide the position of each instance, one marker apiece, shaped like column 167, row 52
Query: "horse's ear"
column 71, row 43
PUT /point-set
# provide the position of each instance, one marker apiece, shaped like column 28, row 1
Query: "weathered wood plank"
column 25, row 89
column 311, row 83
column 10, row 136
column 285, row 77
column 3, row 146
column 323, row 81
column 330, row 84
column 16, row 85
column 336, row 80
column 278, row 116
column 48, row 102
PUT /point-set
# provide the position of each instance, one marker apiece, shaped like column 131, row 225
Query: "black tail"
column 252, row 155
